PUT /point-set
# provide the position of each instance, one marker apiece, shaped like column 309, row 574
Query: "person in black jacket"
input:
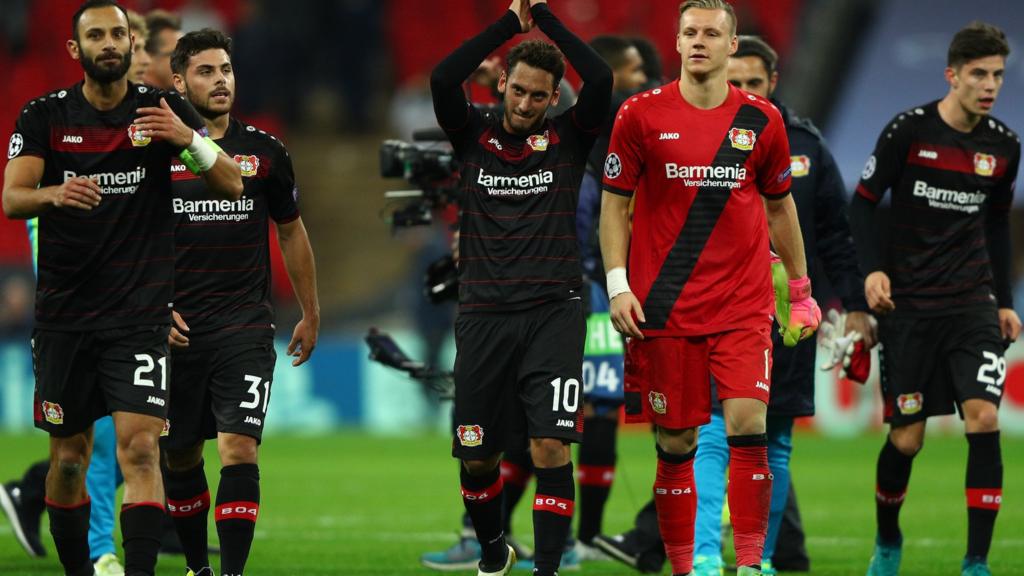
column 821, row 206
column 521, row 327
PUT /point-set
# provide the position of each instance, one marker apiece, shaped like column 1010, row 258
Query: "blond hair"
column 711, row 5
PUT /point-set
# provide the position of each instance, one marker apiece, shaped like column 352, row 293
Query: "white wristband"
column 617, row 282
column 204, row 154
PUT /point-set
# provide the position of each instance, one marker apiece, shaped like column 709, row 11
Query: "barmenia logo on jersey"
column 969, row 202
column 214, row 210
column 135, row 135
column 707, row 176
column 525, row 185
column 742, row 139
column 250, row 165
column 470, row 435
column 113, row 182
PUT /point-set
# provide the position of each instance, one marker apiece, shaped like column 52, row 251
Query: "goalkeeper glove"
column 844, row 349
column 797, row 313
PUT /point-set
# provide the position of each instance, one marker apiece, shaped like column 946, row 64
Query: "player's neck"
column 105, row 96
column 953, row 114
column 218, row 125
column 704, row 92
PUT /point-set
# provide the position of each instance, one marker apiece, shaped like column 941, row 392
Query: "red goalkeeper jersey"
column 698, row 258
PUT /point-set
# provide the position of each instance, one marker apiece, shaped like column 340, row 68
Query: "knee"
column 677, row 441
column 140, row 450
column 983, row 421
column 480, row 467
column 909, row 443
column 549, row 452
column 71, row 469
column 187, row 459
column 236, row 449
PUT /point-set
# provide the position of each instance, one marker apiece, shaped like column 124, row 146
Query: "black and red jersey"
column 947, row 186
column 517, row 245
column 699, row 251
column 113, row 265
column 222, row 269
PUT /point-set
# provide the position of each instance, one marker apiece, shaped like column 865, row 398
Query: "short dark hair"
column 538, row 54
column 976, row 40
column 710, row 5
column 157, row 21
column 195, row 42
column 89, row 5
column 652, row 59
column 612, row 49
column 755, row 46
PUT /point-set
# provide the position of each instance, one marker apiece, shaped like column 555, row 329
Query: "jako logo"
column 669, row 136
column 72, row 139
column 929, row 154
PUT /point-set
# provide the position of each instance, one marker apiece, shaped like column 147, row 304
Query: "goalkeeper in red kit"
column 709, row 167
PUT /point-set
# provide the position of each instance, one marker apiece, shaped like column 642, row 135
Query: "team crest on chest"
column 742, row 139
column 136, row 136
column 250, row 165
column 800, row 165
column 984, row 164
column 539, row 142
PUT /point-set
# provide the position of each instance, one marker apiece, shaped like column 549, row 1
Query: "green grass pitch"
column 358, row 504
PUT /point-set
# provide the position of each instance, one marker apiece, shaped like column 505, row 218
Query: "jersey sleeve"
column 774, row 175
column 283, row 194
column 625, row 162
column 31, row 133
column 184, row 110
column 885, row 165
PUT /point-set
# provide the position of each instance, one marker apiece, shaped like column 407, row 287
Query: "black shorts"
column 930, row 366
column 219, row 389
column 82, row 376
column 518, row 375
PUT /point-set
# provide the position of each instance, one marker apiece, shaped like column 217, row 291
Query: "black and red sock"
column 675, row 497
column 984, row 491
column 188, row 503
column 238, row 506
column 516, row 469
column 892, row 477
column 553, row 506
column 69, row 526
column 141, row 529
column 750, row 496
column 595, row 474
column 482, row 497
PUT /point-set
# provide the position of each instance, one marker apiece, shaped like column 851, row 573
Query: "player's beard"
column 517, row 127
column 105, row 74
column 201, row 104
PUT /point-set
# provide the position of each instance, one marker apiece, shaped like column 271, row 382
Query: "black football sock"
column 893, row 475
column 552, row 517
column 238, row 506
column 141, row 529
column 596, row 473
column 188, row 502
column 482, row 496
column 984, row 491
column 516, row 469
column 69, row 526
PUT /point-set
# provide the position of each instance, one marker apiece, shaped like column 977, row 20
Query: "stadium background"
column 334, row 79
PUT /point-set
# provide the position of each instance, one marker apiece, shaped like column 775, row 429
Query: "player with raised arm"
column 938, row 277
column 93, row 163
column 707, row 163
column 223, row 334
column 520, row 330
